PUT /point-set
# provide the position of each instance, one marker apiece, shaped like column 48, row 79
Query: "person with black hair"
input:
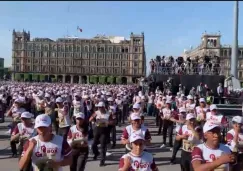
column 78, row 140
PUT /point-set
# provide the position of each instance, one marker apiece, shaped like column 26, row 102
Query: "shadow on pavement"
column 5, row 152
column 4, row 137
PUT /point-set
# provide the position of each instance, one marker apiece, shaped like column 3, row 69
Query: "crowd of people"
column 67, row 116
column 169, row 65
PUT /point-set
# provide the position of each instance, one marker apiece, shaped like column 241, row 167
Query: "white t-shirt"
column 64, row 118
column 206, row 154
column 166, row 113
column 229, row 138
column 56, row 149
column 199, row 112
column 145, row 162
column 188, row 145
column 23, row 130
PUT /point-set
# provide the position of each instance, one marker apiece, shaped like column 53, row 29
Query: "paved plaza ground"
column 162, row 156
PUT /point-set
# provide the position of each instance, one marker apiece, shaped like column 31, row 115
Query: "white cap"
column 168, row 101
column 79, row 115
column 182, row 109
column 135, row 116
column 164, row 98
column 134, row 137
column 112, row 108
column 238, row 119
column 182, row 95
column 85, row 96
column 101, row 104
column 190, row 116
column 108, row 94
column 59, row 100
column 136, row 106
column 110, row 99
column 47, row 95
column 190, row 97
column 202, row 100
column 209, row 126
column 42, row 120
column 213, row 106
column 40, row 94
column 18, row 100
column 26, row 115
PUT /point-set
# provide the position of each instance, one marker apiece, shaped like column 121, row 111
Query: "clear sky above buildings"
column 169, row 27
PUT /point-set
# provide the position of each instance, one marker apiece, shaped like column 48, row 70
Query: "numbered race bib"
column 48, row 111
column 187, row 146
column 61, row 121
column 76, row 109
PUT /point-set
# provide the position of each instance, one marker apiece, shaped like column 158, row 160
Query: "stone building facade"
column 76, row 60
column 211, row 46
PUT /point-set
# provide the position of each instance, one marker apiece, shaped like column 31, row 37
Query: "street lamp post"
column 235, row 54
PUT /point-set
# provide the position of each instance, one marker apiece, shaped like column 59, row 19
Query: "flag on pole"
column 79, row 29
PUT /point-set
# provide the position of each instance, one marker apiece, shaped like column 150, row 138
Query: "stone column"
column 71, row 79
column 12, row 76
column 63, row 78
column 129, row 80
column 80, row 79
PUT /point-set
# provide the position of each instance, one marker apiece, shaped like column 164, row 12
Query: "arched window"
column 225, row 53
column 66, row 48
column 70, row 48
column 110, row 49
column 118, row 49
column 214, row 43
column 78, row 48
column 94, row 49
column 86, row 49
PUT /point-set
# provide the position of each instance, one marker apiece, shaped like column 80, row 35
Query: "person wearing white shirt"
column 166, row 115
column 234, row 138
column 137, row 159
column 212, row 155
column 220, row 92
column 46, row 150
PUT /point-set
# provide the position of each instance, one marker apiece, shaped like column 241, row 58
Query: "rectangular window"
column 240, row 74
column 135, row 64
column 135, row 57
column 135, row 71
column 136, row 49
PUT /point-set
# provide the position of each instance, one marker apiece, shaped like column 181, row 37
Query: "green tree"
column 42, row 77
column 118, row 80
column 110, row 79
column 102, row 79
column 17, row 76
column 27, row 77
column 93, row 79
column 34, row 77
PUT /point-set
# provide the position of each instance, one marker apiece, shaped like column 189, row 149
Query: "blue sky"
column 169, row 27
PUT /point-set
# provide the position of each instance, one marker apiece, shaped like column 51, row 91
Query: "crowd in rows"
column 169, row 65
column 67, row 116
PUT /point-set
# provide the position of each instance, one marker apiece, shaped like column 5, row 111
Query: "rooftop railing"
column 198, row 70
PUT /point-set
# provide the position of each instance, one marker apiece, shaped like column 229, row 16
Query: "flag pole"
column 235, row 55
